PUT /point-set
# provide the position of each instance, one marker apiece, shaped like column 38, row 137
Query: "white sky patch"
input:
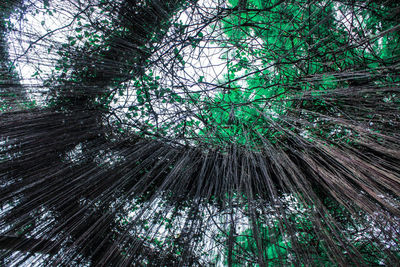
column 38, row 36
column 203, row 70
column 199, row 68
column 354, row 24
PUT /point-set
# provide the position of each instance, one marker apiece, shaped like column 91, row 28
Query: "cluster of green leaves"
column 11, row 91
column 276, row 55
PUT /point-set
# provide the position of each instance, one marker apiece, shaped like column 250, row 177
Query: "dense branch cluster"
column 199, row 133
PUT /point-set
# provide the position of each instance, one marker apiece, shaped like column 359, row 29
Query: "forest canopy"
column 199, row 132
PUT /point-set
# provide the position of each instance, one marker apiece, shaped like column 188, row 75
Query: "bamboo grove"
column 199, row 133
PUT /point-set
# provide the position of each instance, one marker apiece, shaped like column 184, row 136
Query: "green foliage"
column 293, row 44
